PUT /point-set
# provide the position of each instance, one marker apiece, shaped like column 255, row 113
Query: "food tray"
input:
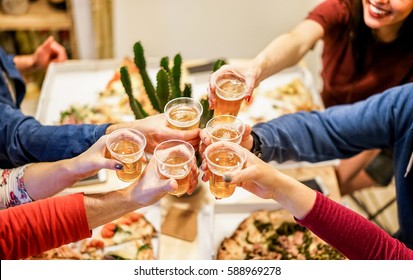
column 153, row 214
column 76, row 82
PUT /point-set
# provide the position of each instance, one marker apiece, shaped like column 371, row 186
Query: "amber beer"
column 174, row 159
column 230, row 90
column 183, row 113
column 132, row 168
column 174, row 168
column 127, row 146
column 225, row 128
column 223, row 157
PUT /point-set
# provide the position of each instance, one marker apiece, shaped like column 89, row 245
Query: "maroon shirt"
column 353, row 235
column 391, row 64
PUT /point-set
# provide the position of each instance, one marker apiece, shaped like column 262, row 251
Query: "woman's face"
column 386, row 16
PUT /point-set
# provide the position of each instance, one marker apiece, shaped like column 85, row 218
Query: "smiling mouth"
column 376, row 11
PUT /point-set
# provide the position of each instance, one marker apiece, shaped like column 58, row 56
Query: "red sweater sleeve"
column 351, row 234
column 32, row 228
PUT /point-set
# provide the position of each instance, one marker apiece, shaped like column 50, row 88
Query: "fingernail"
column 247, row 98
column 118, row 166
column 203, row 177
column 227, row 178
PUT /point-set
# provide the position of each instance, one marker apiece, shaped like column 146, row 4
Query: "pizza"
column 129, row 237
column 274, row 235
column 112, row 103
column 293, row 97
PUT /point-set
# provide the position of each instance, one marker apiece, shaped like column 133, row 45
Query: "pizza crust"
column 272, row 235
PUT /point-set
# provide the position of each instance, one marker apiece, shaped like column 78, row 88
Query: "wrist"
column 256, row 145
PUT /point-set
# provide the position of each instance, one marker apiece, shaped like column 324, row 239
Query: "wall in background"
column 205, row 28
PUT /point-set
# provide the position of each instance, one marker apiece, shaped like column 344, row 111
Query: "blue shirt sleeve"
column 340, row 131
column 23, row 139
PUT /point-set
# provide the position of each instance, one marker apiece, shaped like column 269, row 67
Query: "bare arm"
column 287, row 49
column 48, row 178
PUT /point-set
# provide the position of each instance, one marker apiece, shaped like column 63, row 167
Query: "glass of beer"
column 127, row 146
column 223, row 157
column 183, row 113
column 230, row 90
column 174, row 159
column 225, row 128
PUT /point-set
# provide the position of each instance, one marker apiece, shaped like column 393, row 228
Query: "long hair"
column 360, row 35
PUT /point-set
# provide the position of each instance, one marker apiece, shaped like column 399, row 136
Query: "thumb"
column 111, row 164
column 169, row 185
column 240, row 176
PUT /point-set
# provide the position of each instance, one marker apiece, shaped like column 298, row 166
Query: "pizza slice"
column 132, row 226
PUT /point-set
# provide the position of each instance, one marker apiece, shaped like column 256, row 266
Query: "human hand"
column 246, row 69
column 156, row 131
column 246, row 140
column 257, row 177
column 151, row 188
column 92, row 160
column 49, row 51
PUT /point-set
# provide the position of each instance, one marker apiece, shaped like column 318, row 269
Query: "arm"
column 340, row 131
column 46, row 179
column 156, row 131
column 26, row 140
column 48, row 52
column 287, row 50
column 35, row 227
column 347, row 231
column 284, row 51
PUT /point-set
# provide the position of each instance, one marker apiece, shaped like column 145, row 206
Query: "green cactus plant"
column 167, row 88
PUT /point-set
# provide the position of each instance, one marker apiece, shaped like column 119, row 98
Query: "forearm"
column 351, row 234
column 24, row 63
column 25, row 140
column 104, row 208
column 292, row 195
column 287, row 50
column 49, row 178
column 35, row 227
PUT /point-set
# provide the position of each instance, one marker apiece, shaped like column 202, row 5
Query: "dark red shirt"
column 390, row 64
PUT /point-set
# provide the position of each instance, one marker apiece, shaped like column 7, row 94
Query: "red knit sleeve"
column 351, row 234
column 331, row 14
column 32, row 228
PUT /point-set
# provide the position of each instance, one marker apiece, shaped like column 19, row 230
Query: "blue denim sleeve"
column 24, row 140
column 340, row 131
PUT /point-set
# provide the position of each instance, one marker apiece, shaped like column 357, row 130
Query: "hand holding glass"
column 174, row 159
column 223, row 157
column 127, row 145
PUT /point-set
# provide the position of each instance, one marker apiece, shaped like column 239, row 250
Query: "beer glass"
column 223, row 157
column 183, row 113
column 225, row 128
column 174, row 159
column 127, row 146
column 230, row 90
